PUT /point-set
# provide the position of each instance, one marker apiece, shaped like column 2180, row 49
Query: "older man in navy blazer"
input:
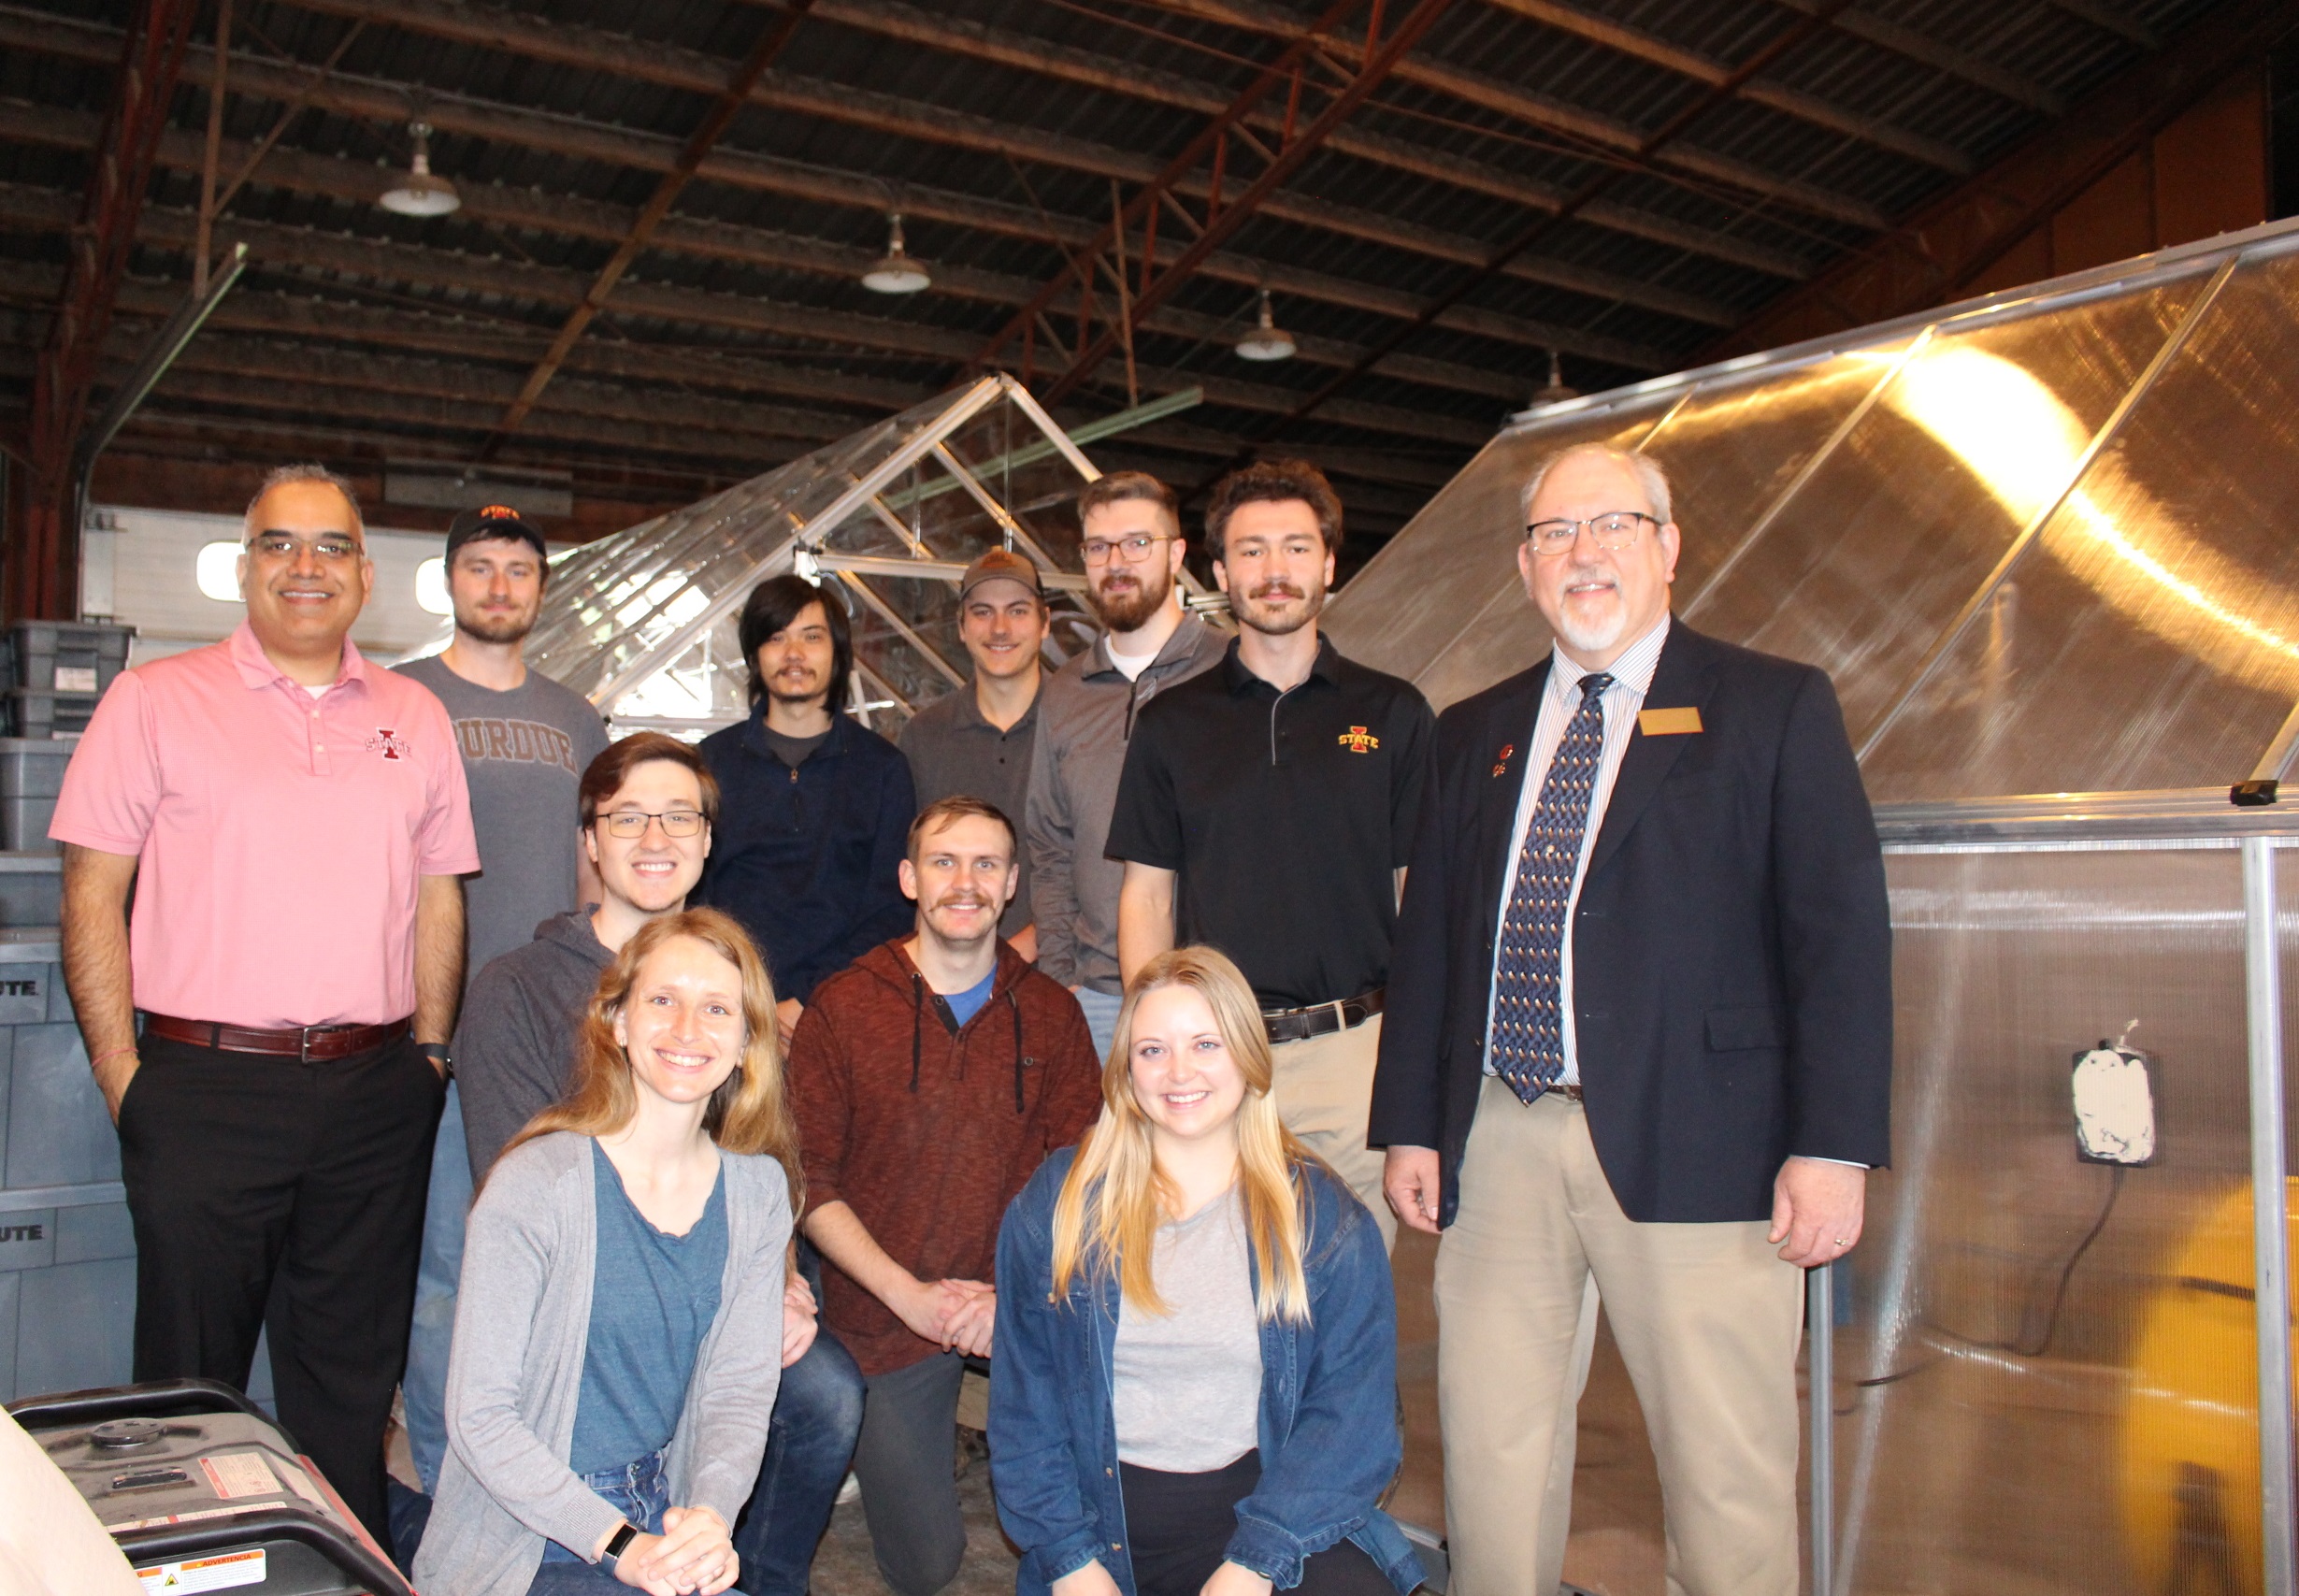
column 1639, row 1027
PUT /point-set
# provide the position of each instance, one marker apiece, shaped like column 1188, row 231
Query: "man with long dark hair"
column 816, row 806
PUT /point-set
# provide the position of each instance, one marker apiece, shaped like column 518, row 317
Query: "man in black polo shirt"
column 1266, row 808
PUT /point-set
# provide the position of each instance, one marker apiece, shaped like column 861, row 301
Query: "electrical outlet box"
column 2114, row 1089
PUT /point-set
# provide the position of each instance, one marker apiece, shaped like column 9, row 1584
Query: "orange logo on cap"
column 498, row 512
column 1356, row 739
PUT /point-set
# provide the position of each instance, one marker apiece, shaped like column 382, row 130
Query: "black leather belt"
column 1321, row 1019
column 306, row 1045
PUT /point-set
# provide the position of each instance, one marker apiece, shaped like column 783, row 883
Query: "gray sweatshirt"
column 515, row 1042
column 1086, row 714
column 522, row 1321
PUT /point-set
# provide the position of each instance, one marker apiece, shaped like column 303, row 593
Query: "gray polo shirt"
column 1086, row 714
column 953, row 749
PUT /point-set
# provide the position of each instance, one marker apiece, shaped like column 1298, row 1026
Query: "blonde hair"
column 1106, row 1219
column 750, row 1113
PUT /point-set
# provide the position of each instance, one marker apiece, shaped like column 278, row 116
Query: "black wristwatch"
column 617, row 1543
column 436, row 1053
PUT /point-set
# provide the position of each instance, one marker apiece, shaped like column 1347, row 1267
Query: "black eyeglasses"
column 630, row 823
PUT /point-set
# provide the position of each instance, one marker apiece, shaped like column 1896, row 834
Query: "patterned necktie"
column 1527, row 1044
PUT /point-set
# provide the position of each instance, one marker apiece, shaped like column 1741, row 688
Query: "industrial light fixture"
column 897, row 273
column 1557, row 389
column 1266, row 342
column 420, row 193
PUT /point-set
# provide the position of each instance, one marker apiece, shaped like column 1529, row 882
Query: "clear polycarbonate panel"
column 1730, row 454
column 633, row 599
column 1431, row 583
column 1862, row 569
column 2151, row 636
column 1736, row 445
column 898, row 624
column 970, row 470
column 2045, row 1375
column 1018, row 466
column 706, row 682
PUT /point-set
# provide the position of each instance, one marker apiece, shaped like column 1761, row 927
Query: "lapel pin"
column 1506, row 749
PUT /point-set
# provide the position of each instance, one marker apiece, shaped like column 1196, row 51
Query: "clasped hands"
column 958, row 1316
column 694, row 1556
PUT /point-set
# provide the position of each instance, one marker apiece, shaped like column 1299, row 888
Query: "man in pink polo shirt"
column 293, row 821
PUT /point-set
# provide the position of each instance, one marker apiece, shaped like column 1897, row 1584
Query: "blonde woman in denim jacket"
column 1194, row 1392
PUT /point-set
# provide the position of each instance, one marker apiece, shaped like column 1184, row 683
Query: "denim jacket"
column 1328, row 1437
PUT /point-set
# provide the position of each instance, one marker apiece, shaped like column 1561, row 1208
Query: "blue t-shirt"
column 967, row 1004
column 653, row 1298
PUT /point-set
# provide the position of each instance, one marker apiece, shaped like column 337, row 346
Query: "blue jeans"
column 1100, row 1020
column 817, row 1415
column 425, row 1384
column 638, row 1492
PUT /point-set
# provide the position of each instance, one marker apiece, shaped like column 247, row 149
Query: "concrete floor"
column 1616, row 1548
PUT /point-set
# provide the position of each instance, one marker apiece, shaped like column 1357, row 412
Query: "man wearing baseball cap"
column 525, row 741
column 976, row 742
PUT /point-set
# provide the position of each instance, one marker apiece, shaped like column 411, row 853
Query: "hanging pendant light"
column 1266, row 341
column 897, row 273
column 1557, row 391
column 420, row 193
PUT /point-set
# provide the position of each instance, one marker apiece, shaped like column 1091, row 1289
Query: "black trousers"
column 270, row 1194
column 1179, row 1525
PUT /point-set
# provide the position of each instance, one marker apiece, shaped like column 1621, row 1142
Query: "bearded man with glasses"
column 1131, row 540
column 295, row 827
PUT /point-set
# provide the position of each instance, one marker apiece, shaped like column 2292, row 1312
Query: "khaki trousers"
column 1707, row 1320
column 1324, row 1095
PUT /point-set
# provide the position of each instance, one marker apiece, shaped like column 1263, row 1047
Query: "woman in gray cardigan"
column 619, row 1335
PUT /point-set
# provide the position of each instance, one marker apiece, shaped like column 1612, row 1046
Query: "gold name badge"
column 1668, row 722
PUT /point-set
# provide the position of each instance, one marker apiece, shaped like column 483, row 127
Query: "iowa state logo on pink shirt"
column 391, row 744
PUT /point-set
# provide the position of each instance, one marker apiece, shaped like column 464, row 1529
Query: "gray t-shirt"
column 953, row 751
column 793, row 751
column 1187, row 1384
column 523, row 755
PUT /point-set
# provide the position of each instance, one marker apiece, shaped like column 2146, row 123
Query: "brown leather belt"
column 1322, row 1019
column 307, row 1045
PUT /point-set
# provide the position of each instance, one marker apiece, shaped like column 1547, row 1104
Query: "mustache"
column 1276, row 587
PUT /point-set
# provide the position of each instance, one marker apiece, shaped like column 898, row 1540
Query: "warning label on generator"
column 240, row 1474
column 218, row 1573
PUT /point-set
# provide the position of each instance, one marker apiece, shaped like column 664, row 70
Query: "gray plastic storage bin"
column 41, row 715
column 68, row 656
column 31, row 776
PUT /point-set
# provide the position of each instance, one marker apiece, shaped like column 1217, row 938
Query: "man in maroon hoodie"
column 930, row 1078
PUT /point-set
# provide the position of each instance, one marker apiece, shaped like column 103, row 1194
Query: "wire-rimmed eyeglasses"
column 1614, row 529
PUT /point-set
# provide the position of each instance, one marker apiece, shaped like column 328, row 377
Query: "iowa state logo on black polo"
column 1356, row 739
